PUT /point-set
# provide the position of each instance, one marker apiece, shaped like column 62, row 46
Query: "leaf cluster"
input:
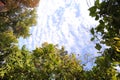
column 106, row 32
column 42, row 63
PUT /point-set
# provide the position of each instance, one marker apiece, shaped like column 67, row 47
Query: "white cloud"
column 63, row 22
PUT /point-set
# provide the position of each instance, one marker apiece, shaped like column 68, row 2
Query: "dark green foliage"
column 98, row 46
column 107, row 13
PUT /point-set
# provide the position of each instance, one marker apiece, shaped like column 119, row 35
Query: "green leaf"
column 97, row 3
column 92, row 31
column 97, row 17
column 101, row 22
column 93, row 11
column 92, row 38
column 98, row 46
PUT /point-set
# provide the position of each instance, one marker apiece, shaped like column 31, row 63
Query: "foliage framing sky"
column 63, row 22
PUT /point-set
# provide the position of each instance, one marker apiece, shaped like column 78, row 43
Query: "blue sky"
column 64, row 22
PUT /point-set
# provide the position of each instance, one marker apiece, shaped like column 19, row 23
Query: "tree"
column 7, row 42
column 108, row 14
column 104, row 69
column 107, row 32
column 55, row 63
column 46, row 62
column 18, row 17
column 7, row 5
column 15, row 21
column 18, row 20
column 18, row 65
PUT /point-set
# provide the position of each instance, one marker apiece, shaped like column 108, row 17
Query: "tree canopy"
column 46, row 62
column 49, row 62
